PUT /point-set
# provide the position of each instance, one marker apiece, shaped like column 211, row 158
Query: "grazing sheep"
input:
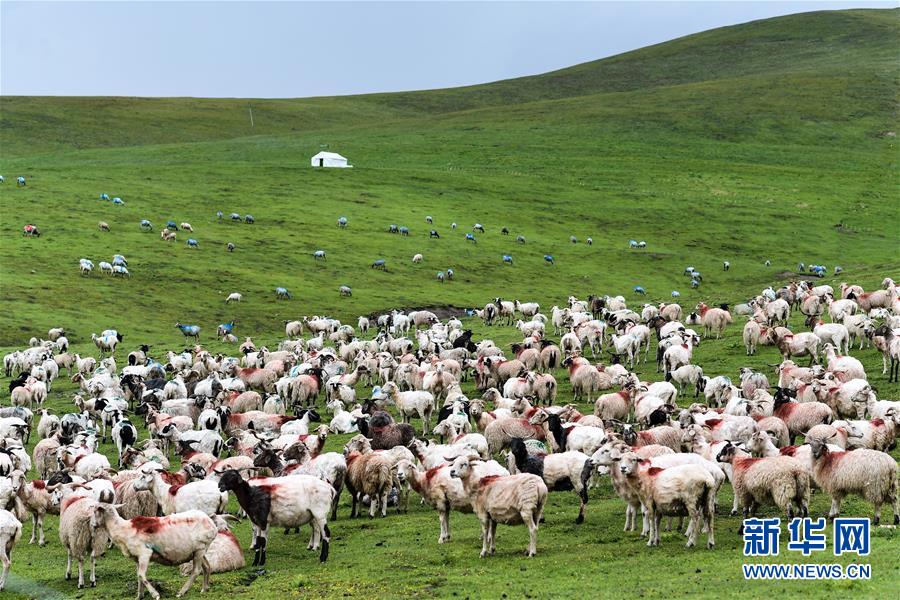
column 417, row 258
column 511, row 499
column 345, row 290
column 233, row 297
column 224, row 554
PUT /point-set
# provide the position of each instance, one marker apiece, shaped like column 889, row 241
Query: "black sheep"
column 525, row 462
column 387, row 434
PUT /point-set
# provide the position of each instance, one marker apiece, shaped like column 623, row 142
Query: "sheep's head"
column 230, row 480
column 460, row 467
column 358, row 443
column 628, row 462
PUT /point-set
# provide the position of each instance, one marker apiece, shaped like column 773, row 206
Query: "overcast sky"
column 296, row 49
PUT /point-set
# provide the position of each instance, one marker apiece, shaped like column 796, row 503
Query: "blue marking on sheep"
column 249, row 219
column 189, row 330
column 171, row 225
column 676, row 293
column 507, row 259
column 342, row 222
column 145, row 224
column 283, row 293
column 379, row 264
column 471, row 237
column 104, row 196
column 548, row 258
column 639, row 290
column 192, row 243
column 226, row 327
column 117, row 200
column 404, row 231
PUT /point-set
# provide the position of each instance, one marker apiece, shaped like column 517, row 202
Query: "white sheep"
column 233, row 297
column 10, row 532
column 411, row 403
column 201, row 495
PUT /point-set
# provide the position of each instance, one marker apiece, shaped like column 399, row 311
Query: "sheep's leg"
column 384, row 503
column 143, row 564
column 693, row 529
column 877, row 519
column 444, row 517
column 532, row 533
column 34, row 525
column 68, row 564
column 94, row 569
column 5, row 560
column 485, row 535
column 80, row 572
column 197, row 567
column 493, row 534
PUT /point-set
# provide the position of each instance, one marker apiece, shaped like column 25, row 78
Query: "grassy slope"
column 706, row 157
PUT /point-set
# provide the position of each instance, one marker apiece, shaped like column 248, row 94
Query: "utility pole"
column 251, row 115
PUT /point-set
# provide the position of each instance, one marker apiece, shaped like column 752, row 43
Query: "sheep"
column 560, row 471
column 234, row 297
column 511, row 499
column 850, row 399
column 799, row 344
column 500, row 432
column 687, row 375
column 417, row 258
column 198, row 495
column 877, row 434
column 844, row 367
column 441, row 491
column 10, row 532
column 368, row 473
column 868, row 473
column 411, row 403
column 676, row 490
column 779, row 480
column 387, row 434
column 800, row 416
column 751, row 335
column 586, row 380
column 284, row 502
column 76, row 533
column 616, row 405
column 124, row 435
column 713, row 319
column 171, row 540
column 475, row 441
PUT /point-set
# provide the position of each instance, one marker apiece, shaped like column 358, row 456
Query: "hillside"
column 857, row 44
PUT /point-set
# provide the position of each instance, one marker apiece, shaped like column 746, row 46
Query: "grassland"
column 764, row 141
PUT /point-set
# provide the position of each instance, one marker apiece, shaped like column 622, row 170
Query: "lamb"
column 511, row 499
column 441, row 491
column 868, row 473
column 284, row 502
column 560, row 471
column 171, row 540
column 474, row 441
column 779, row 480
column 368, row 473
column 676, row 490
column 713, row 319
column 10, row 532
column 343, row 420
column 198, row 495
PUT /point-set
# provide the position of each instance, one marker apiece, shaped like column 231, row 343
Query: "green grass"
column 767, row 140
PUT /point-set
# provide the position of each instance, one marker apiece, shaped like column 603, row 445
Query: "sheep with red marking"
column 795, row 344
column 198, row 495
column 800, row 417
column 442, row 492
column 844, row 367
column 510, row 499
column 474, row 441
column 224, row 553
column 287, row 502
column 713, row 319
column 779, row 480
column 171, row 540
column 850, row 399
column 259, row 379
column 35, row 497
column 500, row 432
column 616, row 405
column 662, row 435
column 678, row 490
column 368, row 473
column 877, row 434
column 586, row 380
column 870, row 300
column 560, row 471
column 868, row 473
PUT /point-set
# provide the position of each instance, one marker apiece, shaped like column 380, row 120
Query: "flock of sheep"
column 251, row 425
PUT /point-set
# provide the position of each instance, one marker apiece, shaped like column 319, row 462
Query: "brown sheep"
column 368, row 473
column 386, row 433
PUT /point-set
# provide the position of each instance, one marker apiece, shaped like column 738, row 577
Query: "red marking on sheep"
column 70, row 501
column 231, row 537
column 489, row 480
column 785, row 410
column 530, row 412
column 146, row 525
column 491, row 414
column 789, row 450
column 685, row 346
column 352, row 456
column 267, row 489
column 654, row 471
column 712, row 423
column 831, row 459
column 430, row 473
column 39, row 484
column 877, row 422
column 172, row 478
column 75, row 462
column 742, row 464
column 624, row 394
column 173, row 489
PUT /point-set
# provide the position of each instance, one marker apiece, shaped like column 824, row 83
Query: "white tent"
column 329, row 159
